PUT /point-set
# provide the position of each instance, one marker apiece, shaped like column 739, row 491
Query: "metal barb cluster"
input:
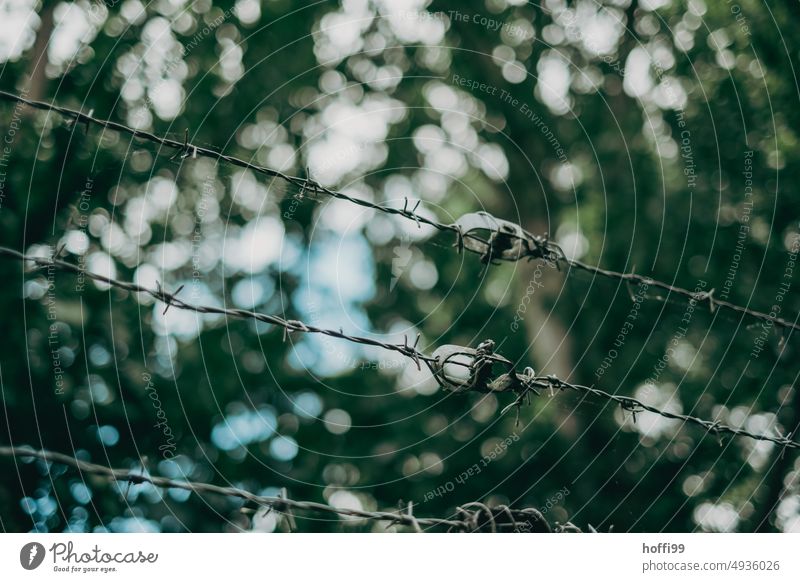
column 504, row 240
column 471, row 517
column 478, row 363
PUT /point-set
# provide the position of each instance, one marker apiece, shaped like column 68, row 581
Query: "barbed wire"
column 634, row 406
column 504, row 241
column 187, row 149
column 479, row 363
column 470, row 517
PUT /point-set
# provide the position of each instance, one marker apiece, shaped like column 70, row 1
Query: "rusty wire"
column 471, row 517
column 480, row 362
column 506, row 241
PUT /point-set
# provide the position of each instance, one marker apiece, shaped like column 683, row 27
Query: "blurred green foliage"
column 656, row 106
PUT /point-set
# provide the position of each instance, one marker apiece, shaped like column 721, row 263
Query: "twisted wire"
column 480, row 367
column 472, row 517
column 532, row 247
column 635, row 406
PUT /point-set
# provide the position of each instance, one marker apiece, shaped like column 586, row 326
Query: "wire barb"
column 287, row 510
column 282, row 503
column 168, row 298
column 479, row 362
column 506, row 241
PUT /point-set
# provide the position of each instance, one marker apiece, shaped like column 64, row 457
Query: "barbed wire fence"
column 477, row 364
column 493, row 239
column 470, row 517
column 503, row 240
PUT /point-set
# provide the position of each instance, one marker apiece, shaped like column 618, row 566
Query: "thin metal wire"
column 479, row 361
column 491, row 249
column 472, row 517
column 186, row 149
column 171, row 300
column 635, row 406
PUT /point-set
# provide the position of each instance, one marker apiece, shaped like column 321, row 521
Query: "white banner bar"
column 390, row 557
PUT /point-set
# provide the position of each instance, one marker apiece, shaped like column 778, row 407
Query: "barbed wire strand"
column 472, row 517
column 533, row 246
column 522, row 384
column 634, row 406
